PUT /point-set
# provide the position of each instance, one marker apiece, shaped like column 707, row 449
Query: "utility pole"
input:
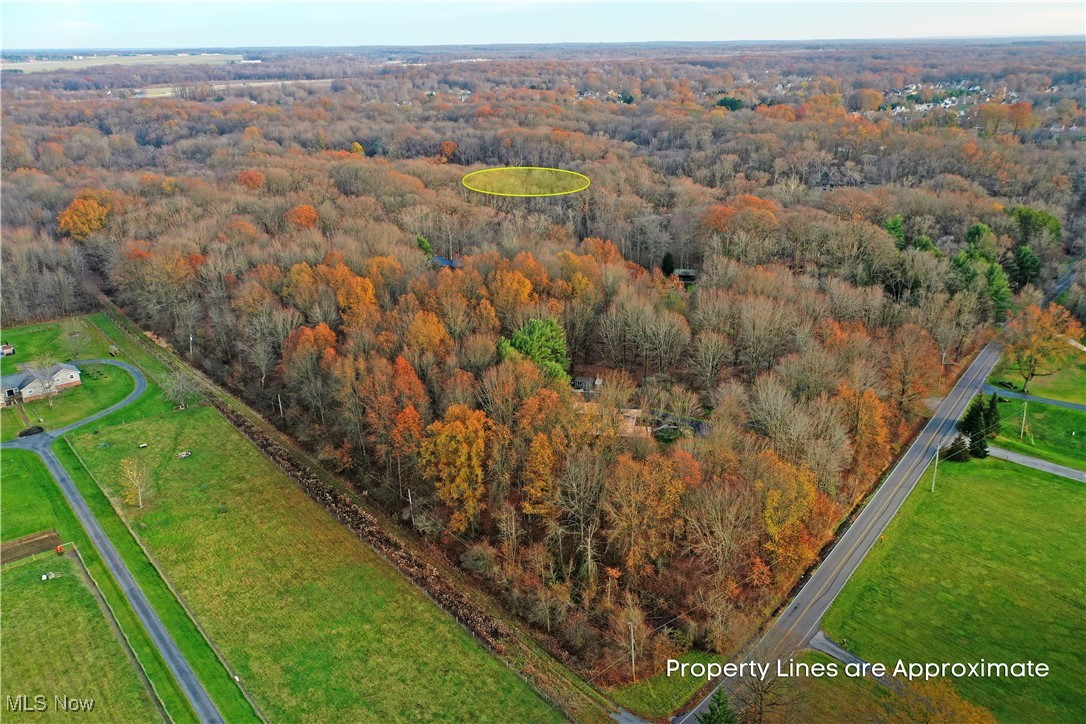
column 935, row 471
column 633, row 654
column 190, row 346
column 1022, row 430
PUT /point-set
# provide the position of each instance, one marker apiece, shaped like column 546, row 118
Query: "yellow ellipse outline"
column 464, row 181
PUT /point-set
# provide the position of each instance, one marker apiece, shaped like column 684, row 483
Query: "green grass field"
column 30, row 501
column 989, row 566
column 315, row 623
column 23, row 507
column 56, row 640
column 196, row 649
column 49, row 341
column 1069, row 384
column 1048, row 433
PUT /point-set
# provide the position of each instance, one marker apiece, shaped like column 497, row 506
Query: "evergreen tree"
column 978, row 446
column 958, row 451
column 1022, row 267
column 972, row 423
column 720, row 711
column 992, row 417
column 667, row 264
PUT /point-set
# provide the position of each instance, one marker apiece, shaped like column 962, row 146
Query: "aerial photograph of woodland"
column 539, row 362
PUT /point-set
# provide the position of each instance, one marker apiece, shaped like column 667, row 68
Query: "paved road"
column 41, row 445
column 1037, row 464
column 1032, row 398
column 800, row 621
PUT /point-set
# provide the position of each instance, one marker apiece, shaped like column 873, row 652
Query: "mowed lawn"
column 316, row 624
column 1069, row 384
column 23, row 507
column 56, row 640
column 49, row 341
column 989, row 566
column 1052, row 433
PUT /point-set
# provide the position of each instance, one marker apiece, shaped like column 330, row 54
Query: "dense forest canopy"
column 854, row 216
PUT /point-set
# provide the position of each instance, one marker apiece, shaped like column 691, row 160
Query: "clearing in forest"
column 525, row 181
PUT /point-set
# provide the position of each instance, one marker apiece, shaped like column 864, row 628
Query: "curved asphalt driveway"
column 41, row 444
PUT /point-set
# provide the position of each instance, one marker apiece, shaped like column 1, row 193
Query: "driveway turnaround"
column 800, row 621
column 41, row 444
column 1037, row 464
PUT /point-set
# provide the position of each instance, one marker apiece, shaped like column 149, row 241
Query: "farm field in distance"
column 91, row 61
column 989, row 566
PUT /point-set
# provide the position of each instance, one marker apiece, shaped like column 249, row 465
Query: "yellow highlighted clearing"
column 525, row 181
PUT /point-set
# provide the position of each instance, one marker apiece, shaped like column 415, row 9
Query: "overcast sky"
column 41, row 24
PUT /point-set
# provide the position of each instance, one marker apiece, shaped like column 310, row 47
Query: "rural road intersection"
column 41, row 445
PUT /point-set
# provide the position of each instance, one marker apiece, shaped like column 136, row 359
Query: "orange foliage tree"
column 1039, row 341
column 453, row 457
column 302, row 217
column 865, row 417
column 252, row 180
column 539, row 477
column 642, row 505
column 83, row 217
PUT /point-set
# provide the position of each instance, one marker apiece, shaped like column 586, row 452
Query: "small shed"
column 687, row 276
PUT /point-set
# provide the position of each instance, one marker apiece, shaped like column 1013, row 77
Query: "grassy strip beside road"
column 989, row 566
column 840, row 698
column 31, row 498
column 1055, row 434
column 57, row 641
